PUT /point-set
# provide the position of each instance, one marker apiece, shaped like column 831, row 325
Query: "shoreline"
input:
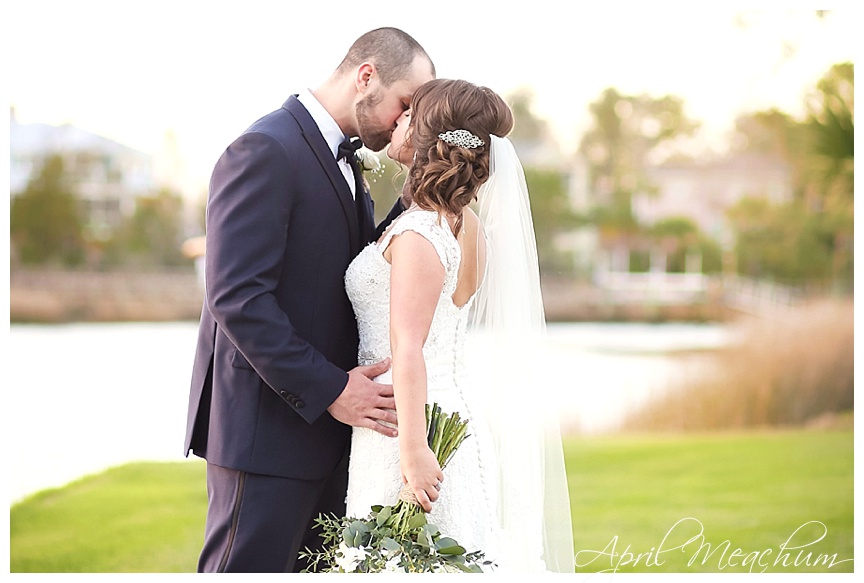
column 54, row 296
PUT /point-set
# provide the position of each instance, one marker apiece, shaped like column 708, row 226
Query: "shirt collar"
column 326, row 124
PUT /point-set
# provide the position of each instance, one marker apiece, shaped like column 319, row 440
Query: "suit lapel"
column 319, row 147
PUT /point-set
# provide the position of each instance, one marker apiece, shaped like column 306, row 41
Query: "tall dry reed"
column 786, row 369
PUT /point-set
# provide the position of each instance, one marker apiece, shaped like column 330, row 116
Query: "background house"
column 105, row 175
column 703, row 191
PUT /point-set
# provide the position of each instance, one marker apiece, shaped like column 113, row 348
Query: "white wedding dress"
column 505, row 491
column 467, row 507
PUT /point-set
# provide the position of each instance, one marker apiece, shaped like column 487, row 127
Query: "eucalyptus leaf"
column 448, row 546
column 417, row 520
column 348, row 535
column 383, row 515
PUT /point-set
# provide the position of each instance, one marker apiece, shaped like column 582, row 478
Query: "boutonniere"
column 368, row 161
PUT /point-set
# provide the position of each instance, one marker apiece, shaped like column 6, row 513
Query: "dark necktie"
column 347, row 149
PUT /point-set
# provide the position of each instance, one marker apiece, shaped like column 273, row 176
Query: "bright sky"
column 204, row 70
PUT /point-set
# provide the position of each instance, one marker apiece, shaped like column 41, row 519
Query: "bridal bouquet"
column 398, row 538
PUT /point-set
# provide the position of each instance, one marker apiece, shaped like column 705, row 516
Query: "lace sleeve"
column 427, row 225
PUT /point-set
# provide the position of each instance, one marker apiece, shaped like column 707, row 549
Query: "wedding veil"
column 508, row 329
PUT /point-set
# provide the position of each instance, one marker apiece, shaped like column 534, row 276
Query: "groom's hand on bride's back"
column 365, row 403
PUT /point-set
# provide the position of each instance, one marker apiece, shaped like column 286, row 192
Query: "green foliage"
column 831, row 125
column 781, row 242
column 45, row 222
column 680, row 236
column 48, row 226
column 683, row 229
column 552, row 215
column 625, row 133
column 807, row 240
column 792, row 244
column 390, row 539
column 769, row 132
column 153, row 235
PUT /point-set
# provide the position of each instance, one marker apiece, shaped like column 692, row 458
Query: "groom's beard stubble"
column 373, row 135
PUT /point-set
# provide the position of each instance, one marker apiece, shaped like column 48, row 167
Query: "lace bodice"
column 367, row 282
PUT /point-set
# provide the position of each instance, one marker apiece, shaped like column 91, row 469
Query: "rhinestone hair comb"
column 461, row 138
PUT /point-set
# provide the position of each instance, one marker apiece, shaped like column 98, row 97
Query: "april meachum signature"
column 755, row 560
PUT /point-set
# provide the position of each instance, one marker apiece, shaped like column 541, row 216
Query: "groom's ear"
column 365, row 73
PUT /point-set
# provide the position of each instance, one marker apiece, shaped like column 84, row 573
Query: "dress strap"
column 433, row 228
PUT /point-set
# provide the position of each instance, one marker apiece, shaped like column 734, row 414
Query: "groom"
column 271, row 403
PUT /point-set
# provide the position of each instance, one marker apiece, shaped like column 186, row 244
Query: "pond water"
column 85, row 397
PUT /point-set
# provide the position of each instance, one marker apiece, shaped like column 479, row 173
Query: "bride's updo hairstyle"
column 445, row 177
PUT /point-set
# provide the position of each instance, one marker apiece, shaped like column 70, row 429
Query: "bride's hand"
column 421, row 472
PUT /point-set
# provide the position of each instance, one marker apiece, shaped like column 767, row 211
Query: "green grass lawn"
column 143, row 517
column 750, row 489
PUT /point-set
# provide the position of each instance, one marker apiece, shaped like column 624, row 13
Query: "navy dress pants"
column 259, row 524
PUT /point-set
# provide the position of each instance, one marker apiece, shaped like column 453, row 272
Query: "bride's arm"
column 416, row 281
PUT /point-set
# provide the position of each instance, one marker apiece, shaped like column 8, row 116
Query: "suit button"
column 298, row 403
column 283, row 394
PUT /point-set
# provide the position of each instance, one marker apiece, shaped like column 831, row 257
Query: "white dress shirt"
column 330, row 130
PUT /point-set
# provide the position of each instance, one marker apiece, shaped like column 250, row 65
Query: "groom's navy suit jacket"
column 277, row 332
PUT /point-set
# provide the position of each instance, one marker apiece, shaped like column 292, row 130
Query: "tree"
column 45, row 221
column 547, row 185
column 807, row 240
column 831, row 177
column 528, row 127
column 780, row 242
column 552, row 215
column 680, row 237
column 626, row 134
column 831, row 127
column 153, row 235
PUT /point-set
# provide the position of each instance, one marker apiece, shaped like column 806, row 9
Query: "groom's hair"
column 391, row 50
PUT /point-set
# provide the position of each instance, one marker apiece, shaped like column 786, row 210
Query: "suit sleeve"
column 247, row 218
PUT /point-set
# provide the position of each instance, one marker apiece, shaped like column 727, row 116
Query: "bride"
column 452, row 296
